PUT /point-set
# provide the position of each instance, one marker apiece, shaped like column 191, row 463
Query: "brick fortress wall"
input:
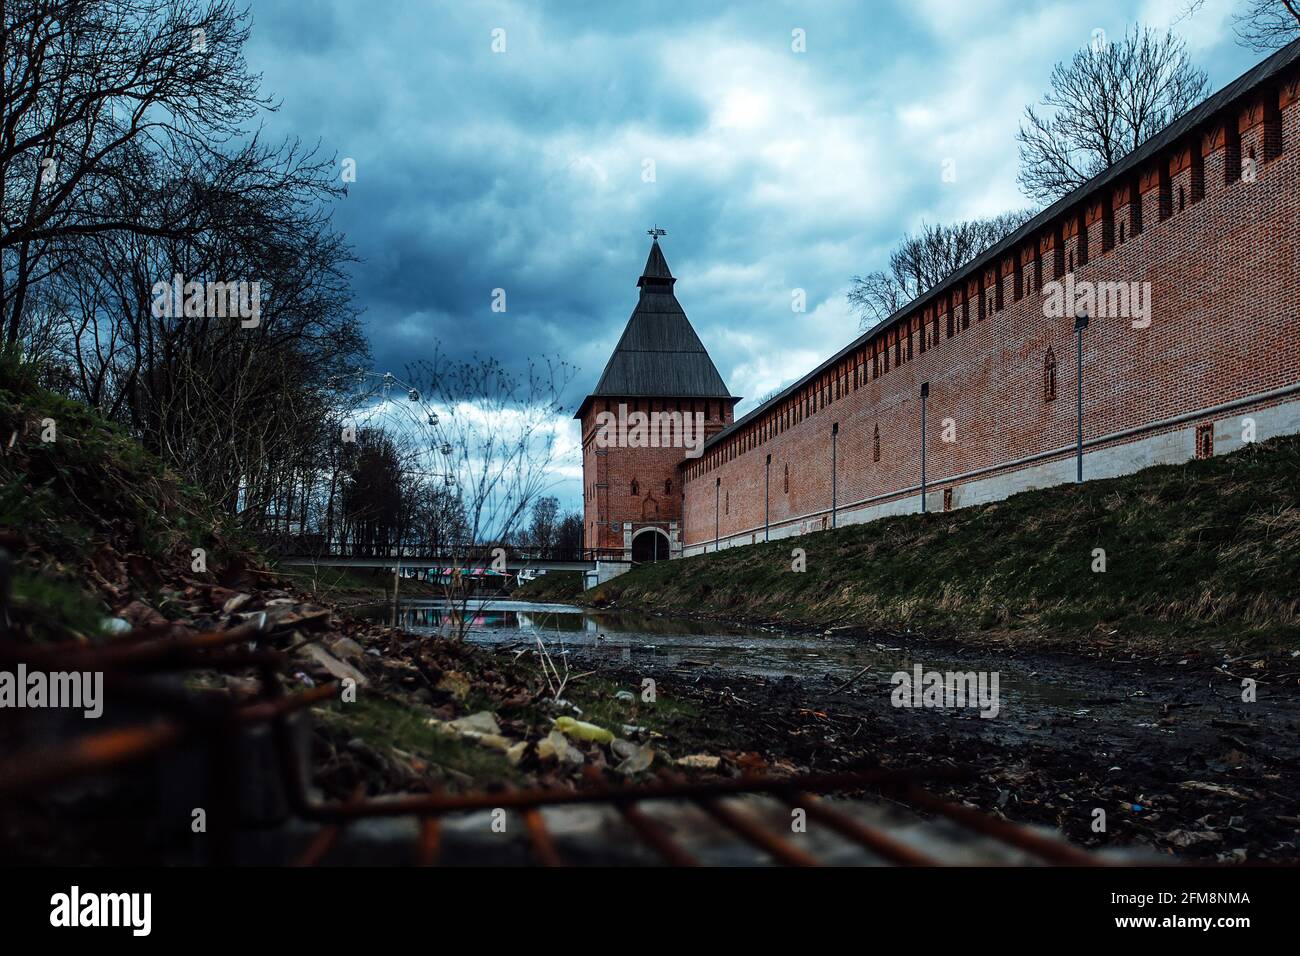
column 1222, row 258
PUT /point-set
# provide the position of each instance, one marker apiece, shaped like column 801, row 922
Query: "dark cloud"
column 774, row 170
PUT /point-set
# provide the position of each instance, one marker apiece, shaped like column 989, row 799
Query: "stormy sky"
column 538, row 169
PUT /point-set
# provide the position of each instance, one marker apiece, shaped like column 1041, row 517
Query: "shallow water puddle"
column 626, row 637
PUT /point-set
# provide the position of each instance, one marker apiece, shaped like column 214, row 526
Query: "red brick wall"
column 608, row 473
column 1225, row 316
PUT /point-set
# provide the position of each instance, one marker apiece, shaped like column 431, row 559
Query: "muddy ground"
column 1181, row 765
column 1165, row 745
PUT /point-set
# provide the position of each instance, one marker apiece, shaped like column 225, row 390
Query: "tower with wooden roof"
column 632, row 494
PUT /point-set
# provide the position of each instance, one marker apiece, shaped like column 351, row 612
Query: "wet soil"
column 1166, row 746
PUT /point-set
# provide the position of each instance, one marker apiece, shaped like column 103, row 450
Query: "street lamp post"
column 835, row 440
column 925, row 394
column 717, row 508
column 767, row 497
column 1080, row 323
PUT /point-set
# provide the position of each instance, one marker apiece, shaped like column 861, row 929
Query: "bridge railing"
column 315, row 546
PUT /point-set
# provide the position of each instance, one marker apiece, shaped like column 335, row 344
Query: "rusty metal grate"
column 183, row 715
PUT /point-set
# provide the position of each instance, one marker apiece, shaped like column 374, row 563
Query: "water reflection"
column 497, row 620
column 430, row 617
column 624, row 637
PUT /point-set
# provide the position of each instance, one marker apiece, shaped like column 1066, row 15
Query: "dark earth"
column 1166, row 746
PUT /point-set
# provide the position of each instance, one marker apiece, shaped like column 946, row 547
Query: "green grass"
column 1209, row 550
column 552, row 586
column 386, row 723
column 92, row 488
column 595, row 696
column 56, row 607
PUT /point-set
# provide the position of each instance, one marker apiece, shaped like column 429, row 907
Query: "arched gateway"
column 650, row 544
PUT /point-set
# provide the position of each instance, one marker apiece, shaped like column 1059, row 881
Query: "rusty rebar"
column 764, row 839
column 1054, row 851
column 430, row 844
column 541, row 839
column 653, row 835
column 89, row 754
column 177, row 648
column 425, row 804
column 321, row 843
column 217, row 720
column 99, row 751
column 874, row 840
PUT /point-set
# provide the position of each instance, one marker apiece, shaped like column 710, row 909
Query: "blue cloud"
column 774, row 170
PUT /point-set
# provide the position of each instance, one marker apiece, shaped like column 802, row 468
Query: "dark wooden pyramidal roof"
column 659, row 355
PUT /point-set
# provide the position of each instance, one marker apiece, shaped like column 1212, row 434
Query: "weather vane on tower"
column 656, row 232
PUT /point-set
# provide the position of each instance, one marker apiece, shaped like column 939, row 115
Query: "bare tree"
column 372, row 493
column 1263, row 25
column 923, row 260
column 1267, row 24
column 568, row 533
column 544, row 523
column 245, row 413
column 495, row 438
column 1103, row 104
column 88, row 87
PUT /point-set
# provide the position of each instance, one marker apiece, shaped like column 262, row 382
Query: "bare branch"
column 1108, row 100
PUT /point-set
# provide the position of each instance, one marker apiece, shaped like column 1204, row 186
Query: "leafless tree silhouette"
column 1104, row 103
column 498, row 437
column 923, row 260
column 91, row 90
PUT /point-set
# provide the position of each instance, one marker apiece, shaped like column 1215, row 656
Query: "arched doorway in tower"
column 649, row 544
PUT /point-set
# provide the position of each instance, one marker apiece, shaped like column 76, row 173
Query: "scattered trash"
column 480, row 728
column 556, row 746
column 257, row 619
column 1189, row 837
column 346, row 649
column 235, row 603
column 484, row 722
column 699, row 762
column 1213, row 788
column 336, row 668
column 580, row 730
column 635, row 758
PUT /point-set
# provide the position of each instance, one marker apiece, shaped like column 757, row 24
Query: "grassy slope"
column 89, row 511
column 552, row 586
column 1205, row 550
